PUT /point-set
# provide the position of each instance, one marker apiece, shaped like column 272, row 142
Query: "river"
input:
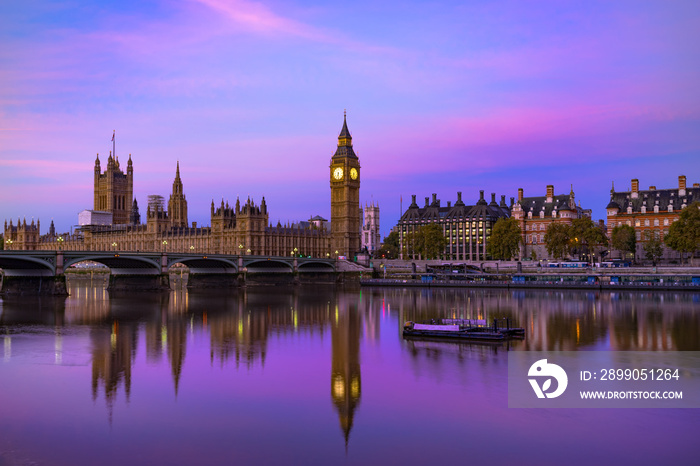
column 320, row 375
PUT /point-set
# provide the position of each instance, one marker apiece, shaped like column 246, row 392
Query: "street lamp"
column 191, row 248
column 295, row 252
column 165, row 245
column 248, row 251
column 240, row 249
column 8, row 243
column 114, row 245
column 60, row 242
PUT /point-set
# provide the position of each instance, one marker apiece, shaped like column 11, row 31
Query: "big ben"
column 345, row 197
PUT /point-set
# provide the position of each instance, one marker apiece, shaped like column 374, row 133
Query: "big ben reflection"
column 346, row 379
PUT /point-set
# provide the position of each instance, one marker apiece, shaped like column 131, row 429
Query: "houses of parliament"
column 115, row 224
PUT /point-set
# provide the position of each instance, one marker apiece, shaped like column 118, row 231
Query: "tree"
column 623, row 239
column 653, row 247
column 434, row 241
column 505, row 239
column 2, row 243
column 390, row 246
column 684, row 234
column 557, row 239
column 428, row 242
column 595, row 237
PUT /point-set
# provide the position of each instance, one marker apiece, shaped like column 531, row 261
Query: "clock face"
column 353, row 173
column 338, row 173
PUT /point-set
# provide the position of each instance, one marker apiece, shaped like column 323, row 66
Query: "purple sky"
column 249, row 97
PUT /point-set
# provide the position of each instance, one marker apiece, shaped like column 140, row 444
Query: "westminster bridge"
column 43, row 271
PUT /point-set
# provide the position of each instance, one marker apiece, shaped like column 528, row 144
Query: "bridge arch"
column 119, row 264
column 315, row 266
column 269, row 266
column 28, row 266
column 204, row 264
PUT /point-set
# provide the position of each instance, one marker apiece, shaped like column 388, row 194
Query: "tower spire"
column 344, row 138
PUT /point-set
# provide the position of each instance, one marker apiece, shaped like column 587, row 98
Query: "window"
column 646, row 222
column 665, row 221
column 656, row 222
column 637, row 223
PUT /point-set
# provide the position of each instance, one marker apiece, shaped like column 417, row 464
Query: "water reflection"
column 567, row 320
column 346, row 379
column 243, row 331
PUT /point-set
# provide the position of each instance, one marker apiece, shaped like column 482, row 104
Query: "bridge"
column 43, row 271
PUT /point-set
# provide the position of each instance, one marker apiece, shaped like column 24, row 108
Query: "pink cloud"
column 259, row 18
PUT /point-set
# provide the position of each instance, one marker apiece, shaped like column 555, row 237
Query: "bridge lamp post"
column 248, row 251
column 114, row 245
column 336, row 253
column 165, row 245
column 60, row 242
column 8, row 244
column 296, row 251
column 191, row 248
column 240, row 249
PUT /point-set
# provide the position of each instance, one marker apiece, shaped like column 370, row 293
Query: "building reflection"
column 346, row 377
column 565, row 320
column 113, row 349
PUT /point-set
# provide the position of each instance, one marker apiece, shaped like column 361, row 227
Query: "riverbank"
column 645, row 283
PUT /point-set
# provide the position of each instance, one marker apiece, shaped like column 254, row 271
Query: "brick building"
column 651, row 210
column 535, row 214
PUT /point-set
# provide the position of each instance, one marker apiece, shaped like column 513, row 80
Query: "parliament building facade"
column 242, row 228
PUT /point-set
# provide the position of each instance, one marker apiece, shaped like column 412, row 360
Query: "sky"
column 248, row 96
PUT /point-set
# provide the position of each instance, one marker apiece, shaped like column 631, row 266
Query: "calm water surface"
column 319, row 376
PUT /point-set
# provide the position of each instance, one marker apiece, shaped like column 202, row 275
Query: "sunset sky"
column 249, row 96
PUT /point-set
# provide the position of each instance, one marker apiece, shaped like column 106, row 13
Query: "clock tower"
column 345, row 197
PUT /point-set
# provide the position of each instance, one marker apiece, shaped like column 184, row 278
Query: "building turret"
column 177, row 205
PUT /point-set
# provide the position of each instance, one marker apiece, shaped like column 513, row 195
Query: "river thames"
column 314, row 375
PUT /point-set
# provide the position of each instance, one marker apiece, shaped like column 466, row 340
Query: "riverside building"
column 536, row 214
column 466, row 227
column 241, row 228
column 652, row 210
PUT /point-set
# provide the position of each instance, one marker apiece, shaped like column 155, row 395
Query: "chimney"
column 550, row 192
column 696, row 185
column 493, row 199
column 681, row 185
column 481, row 194
column 635, row 188
column 503, row 200
column 459, row 196
column 194, row 224
column 520, row 194
column 434, row 198
column 413, row 200
column 512, row 200
column 427, row 202
column 652, row 188
column 449, row 203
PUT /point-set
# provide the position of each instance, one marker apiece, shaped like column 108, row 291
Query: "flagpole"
column 114, row 144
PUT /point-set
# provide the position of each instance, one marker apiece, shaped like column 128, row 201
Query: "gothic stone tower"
column 345, row 197
column 114, row 189
column 177, row 204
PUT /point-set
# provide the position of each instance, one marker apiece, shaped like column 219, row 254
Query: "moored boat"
column 464, row 329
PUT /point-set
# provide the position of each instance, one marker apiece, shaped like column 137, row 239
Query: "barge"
column 464, row 329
